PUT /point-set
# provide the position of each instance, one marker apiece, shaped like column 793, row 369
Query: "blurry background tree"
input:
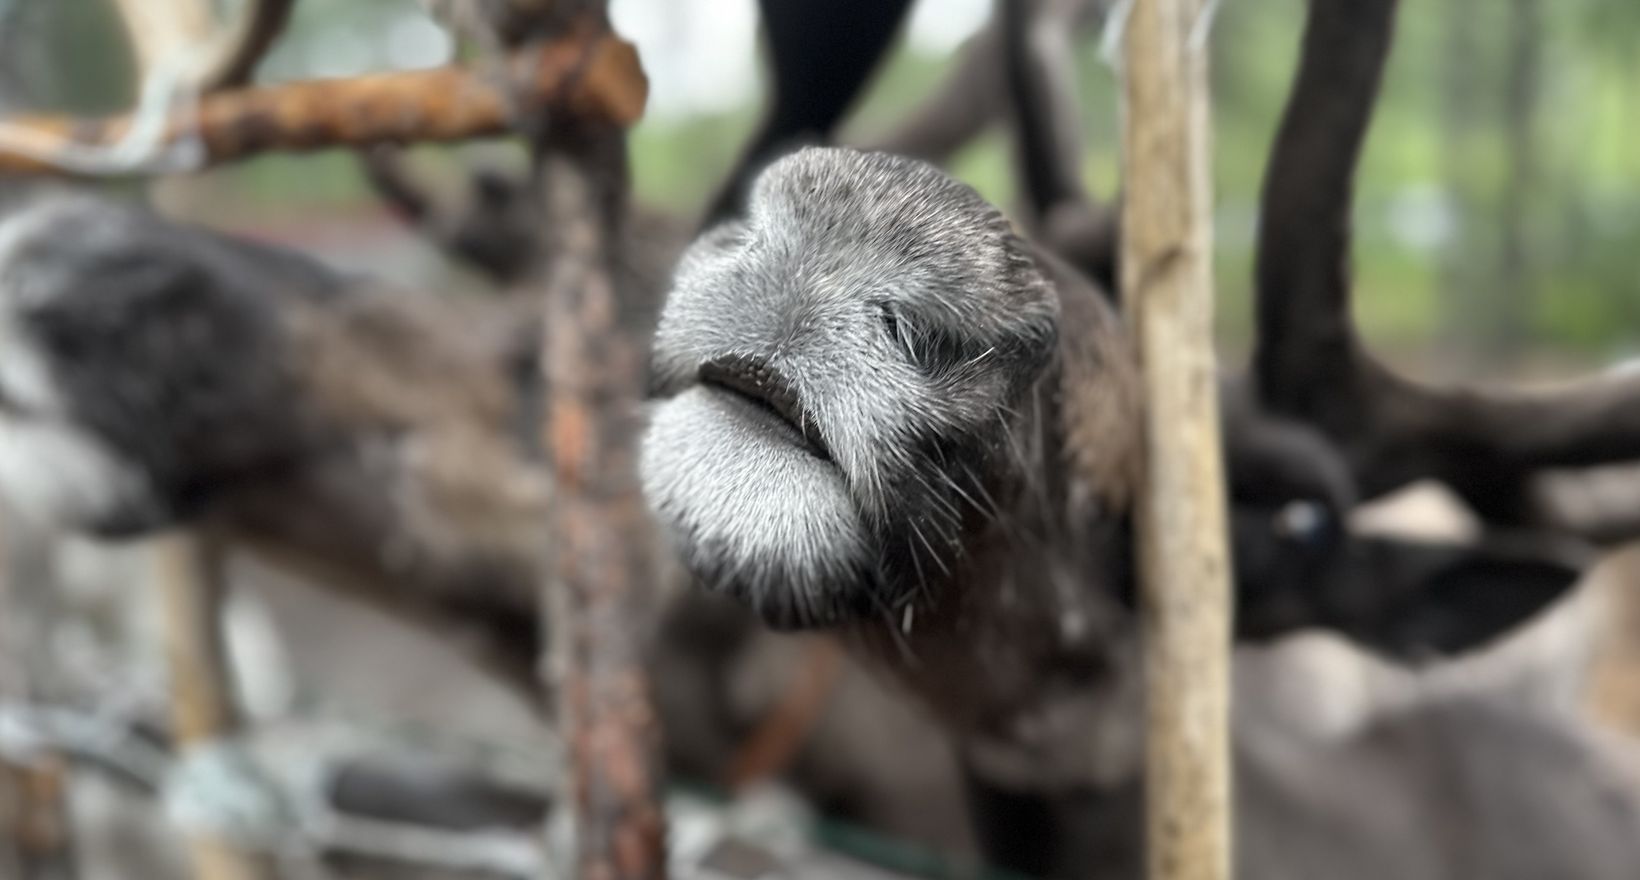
column 1499, row 223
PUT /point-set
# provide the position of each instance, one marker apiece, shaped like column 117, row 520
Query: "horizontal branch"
column 28, row 730
column 593, row 77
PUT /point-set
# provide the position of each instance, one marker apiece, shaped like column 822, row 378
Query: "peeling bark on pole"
column 1167, row 282
column 191, row 578
column 601, row 576
column 585, row 77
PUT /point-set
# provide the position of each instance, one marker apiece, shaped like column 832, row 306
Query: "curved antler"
column 1310, row 361
column 248, row 38
column 1040, row 73
column 960, row 108
column 1039, row 69
column 825, row 51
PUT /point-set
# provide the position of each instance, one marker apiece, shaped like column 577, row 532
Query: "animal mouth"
column 764, row 386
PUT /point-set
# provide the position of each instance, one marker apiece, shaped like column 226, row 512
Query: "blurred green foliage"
column 1430, row 193
column 1442, row 183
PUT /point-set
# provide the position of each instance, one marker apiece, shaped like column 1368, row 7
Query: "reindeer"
column 886, row 415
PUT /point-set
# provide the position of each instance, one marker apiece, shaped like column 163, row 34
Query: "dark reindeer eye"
column 925, row 347
column 891, row 324
column 1304, row 522
column 903, row 335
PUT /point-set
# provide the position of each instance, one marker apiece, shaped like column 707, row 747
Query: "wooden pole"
column 34, row 821
column 36, row 832
column 191, row 578
column 1167, row 243
column 601, row 578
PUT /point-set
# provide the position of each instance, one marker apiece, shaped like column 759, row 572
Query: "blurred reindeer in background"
column 946, row 625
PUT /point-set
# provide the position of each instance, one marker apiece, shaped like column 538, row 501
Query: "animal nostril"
column 748, row 375
column 758, row 380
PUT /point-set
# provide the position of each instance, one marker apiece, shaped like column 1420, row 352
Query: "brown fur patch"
column 1100, row 404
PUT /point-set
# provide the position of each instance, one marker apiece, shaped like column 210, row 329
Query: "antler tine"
column 828, row 50
column 159, row 29
column 972, row 95
column 234, row 59
column 1040, row 69
column 1311, row 363
column 1305, row 330
column 960, row 108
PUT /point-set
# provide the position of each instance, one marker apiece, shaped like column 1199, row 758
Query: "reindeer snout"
column 761, row 382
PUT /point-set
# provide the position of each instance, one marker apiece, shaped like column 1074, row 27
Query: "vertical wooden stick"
column 1167, row 281
column 601, row 574
column 36, row 832
column 191, row 578
column 35, row 822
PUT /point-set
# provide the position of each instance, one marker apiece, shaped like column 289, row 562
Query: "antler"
column 972, row 96
column 1310, row 361
column 159, row 29
column 963, row 106
column 1040, row 68
column 235, row 56
column 1040, row 72
column 823, row 51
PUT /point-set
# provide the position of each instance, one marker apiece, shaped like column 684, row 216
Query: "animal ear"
column 1413, row 600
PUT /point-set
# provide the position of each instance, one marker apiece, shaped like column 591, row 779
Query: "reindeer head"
column 137, row 373
column 839, row 372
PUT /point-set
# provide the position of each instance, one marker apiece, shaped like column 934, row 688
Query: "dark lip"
column 770, row 391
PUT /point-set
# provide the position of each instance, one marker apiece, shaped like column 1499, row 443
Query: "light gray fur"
column 53, row 470
column 904, row 312
column 154, row 374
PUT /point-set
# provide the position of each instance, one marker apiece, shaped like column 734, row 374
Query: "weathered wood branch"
column 593, row 77
column 1167, row 283
column 203, row 707
column 34, row 821
column 600, row 575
